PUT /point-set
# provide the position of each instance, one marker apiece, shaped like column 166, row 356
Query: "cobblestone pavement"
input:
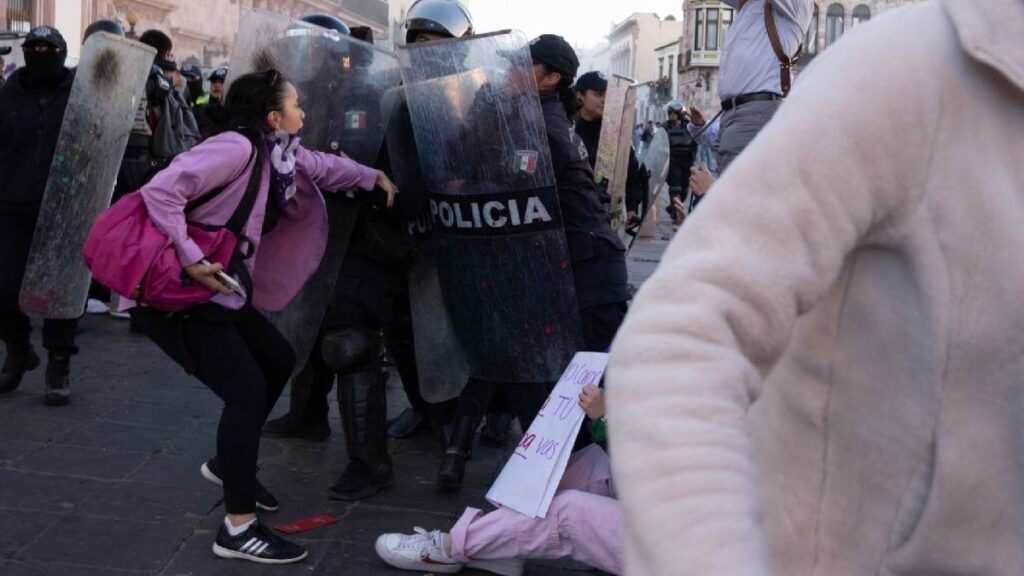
column 110, row 485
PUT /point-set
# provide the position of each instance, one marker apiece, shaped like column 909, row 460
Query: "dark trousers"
column 599, row 323
column 246, row 362
column 16, row 232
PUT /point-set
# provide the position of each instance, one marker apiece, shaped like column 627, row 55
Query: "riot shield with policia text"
column 341, row 82
column 441, row 366
column 108, row 84
column 502, row 257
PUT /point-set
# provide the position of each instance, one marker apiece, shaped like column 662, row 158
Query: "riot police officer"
column 596, row 252
column 682, row 152
column 34, row 101
column 349, row 344
column 590, row 89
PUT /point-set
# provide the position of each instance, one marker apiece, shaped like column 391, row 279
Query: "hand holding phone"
column 229, row 282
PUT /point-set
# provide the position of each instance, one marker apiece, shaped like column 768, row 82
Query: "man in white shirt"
column 750, row 84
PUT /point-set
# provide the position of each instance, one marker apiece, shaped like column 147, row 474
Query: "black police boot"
column 408, row 423
column 306, row 419
column 496, row 429
column 453, row 465
column 58, row 380
column 362, row 399
column 21, row 358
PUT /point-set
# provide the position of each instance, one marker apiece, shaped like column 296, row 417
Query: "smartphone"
column 226, row 280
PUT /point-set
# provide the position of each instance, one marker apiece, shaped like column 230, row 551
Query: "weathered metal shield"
column 502, row 257
column 108, row 83
column 613, row 147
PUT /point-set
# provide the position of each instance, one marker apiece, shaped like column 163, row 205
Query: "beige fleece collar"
column 992, row 32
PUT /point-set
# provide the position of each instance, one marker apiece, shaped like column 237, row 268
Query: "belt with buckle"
column 730, row 103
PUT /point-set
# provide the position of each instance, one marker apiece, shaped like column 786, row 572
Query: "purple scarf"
column 281, row 147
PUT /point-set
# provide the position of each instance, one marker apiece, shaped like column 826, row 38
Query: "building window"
column 711, row 41
column 861, row 14
column 833, row 24
column 661, row 67
column 19, row 16
column 669, row 68
column 811, row 39
column 726, row 23
column 698, row 32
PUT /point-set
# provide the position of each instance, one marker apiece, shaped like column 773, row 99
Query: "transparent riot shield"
column 502, row 259
column 612, row 163
column 656, row 162
column 441, row 364
column 341, row 83
column 108, row 84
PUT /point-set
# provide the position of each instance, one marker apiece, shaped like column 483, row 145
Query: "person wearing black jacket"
column 597, row 253
column 682, row 153
column 33, row 102
column 590, row 89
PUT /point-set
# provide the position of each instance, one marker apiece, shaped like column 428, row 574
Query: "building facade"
column 204, row 30
column 632, row 42
column 706, row 25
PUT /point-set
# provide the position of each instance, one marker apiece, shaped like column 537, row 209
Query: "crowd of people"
column 819, row 378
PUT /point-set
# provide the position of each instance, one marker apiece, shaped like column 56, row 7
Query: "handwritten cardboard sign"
column 531, row 476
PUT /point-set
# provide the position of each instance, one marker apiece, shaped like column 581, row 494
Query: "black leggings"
column 247, row 363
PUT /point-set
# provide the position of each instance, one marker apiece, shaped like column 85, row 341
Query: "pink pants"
column 584, row 522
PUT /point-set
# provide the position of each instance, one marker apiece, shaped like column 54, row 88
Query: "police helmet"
column 191, row 72
column 218, row 75
column 446, row 17
column 327, row 21
column 675, row 106
column 110, row 26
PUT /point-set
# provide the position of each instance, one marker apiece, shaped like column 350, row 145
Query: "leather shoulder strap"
column 785, row 61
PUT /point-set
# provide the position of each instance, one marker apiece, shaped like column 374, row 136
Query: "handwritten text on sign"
column 530, row 478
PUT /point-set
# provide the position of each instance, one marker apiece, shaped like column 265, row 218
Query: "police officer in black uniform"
column 597, row 254
column 682, row 152
column 33, row 103
column 362, row 309
column 590, row 89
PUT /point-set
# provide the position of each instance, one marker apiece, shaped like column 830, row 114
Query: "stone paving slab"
column 110, row 485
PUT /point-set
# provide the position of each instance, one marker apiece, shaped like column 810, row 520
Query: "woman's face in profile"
column 291, row 115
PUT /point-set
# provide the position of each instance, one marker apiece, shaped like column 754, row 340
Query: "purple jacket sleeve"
column 333, row 173
column 212, row 164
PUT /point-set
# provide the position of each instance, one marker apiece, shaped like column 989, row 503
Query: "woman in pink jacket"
column 226, row 342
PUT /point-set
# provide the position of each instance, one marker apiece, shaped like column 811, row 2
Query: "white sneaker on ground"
column 121, row 315
column 94, row 306
column 424, row 551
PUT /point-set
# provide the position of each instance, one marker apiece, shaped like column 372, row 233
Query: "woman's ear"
column 274, row 119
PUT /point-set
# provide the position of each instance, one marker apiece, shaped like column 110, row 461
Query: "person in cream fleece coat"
column 825, row 376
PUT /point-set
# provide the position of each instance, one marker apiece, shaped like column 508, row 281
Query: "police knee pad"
column 348, row 350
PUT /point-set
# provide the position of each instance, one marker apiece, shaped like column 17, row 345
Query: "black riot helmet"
column 446, row 17
column 111, row 26
column 327, row 21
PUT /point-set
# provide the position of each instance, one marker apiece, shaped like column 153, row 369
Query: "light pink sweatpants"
column 584, row 522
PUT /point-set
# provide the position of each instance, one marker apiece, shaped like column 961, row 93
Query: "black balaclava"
column 45, row 69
